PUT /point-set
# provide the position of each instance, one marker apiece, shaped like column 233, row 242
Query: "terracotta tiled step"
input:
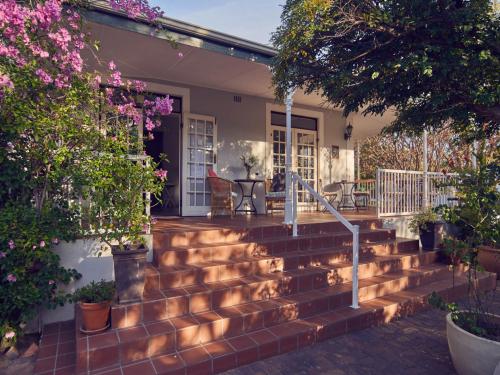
column 206, row 272
column 169, row 256
column 215, row 296
column 152, row 347
column 168, row 238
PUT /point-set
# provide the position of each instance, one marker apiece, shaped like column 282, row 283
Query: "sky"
column 254, row 20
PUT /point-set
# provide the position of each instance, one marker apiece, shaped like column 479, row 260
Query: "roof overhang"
column 210, row 59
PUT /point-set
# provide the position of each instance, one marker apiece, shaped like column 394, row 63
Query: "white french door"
column 199, row 154
column 304, row 157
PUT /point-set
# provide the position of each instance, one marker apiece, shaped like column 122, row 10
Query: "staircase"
column 216, row 299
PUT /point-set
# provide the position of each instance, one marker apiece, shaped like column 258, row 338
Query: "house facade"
column 224, row 108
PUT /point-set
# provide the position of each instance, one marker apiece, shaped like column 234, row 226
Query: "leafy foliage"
column 420, row 220
column 95, row 292
column 435, row 62
column 477, row 219
column 29, row 269
column 57, row 149
column 478, row 214
column 446, row 151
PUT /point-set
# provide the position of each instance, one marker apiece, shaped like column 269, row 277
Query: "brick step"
column 172, row 303
column 181, row 237
column 154, row 348
column 170, row 256
column 207, row 272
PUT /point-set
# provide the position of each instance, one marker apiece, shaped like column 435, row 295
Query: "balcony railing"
column 401, row 192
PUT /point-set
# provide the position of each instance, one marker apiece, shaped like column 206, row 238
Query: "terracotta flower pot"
column 489, row 258
column 95, row 315
column 432, row 236
column 129, row 273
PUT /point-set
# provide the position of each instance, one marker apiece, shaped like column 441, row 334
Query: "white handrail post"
column 295, row 202
column 377, row 191
column 288, row 157
column 425, row 200
column 355, row 263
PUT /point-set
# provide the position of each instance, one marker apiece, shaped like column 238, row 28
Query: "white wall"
column 242, row 130
column 82, row 255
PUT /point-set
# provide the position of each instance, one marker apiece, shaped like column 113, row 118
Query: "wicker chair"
column 275, row 198
column 222, row 195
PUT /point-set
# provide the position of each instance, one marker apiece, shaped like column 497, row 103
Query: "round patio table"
column 347, row 200
column 249, row 182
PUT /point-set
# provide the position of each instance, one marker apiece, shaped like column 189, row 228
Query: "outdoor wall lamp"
column 348, row 132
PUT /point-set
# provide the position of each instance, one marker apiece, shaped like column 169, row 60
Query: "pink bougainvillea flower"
column 112, row 65
column 34, row 247
column 180, row 55
column 116, row 79
column 10, row 335
column 11, row 278
column 55, row 241
column 149, row 124
column 2, row 255
column 163, row 106
column 140, row 86
column 12, row 245
column 44, row 76
column 51, row 282
column 161, row 174
column 5, row 82
column 42, row 243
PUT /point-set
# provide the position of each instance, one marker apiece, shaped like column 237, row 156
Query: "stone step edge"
column 275, row 239
column 174, row 256
column 222, row 355
column 261, row 232
column 325, row 298
column 191, row 275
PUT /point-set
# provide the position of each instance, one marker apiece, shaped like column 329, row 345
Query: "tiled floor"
column 56, row 355
column 249, row 221
column 411, row 346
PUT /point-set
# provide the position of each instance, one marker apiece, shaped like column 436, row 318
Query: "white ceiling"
column 152, row 59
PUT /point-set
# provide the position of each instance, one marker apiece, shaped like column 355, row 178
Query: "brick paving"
column 412, row 346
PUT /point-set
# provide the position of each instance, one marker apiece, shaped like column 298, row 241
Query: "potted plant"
column 118, row 213
column 429, row 228
column 473, row 333
column 94, row 300
column 249, row 163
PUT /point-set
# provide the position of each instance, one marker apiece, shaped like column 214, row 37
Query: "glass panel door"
column 200, row 154
column 305, row 166
column 278, row 150
column 304, row 157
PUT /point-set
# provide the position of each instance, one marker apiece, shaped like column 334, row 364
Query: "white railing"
column 369, row 186
column 403, row 192
column 354, row 229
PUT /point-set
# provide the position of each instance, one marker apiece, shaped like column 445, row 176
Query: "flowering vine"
column 51, row 138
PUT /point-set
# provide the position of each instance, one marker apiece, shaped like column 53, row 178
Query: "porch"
column 180, row 224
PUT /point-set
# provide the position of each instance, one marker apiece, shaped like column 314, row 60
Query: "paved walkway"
column 412, row 346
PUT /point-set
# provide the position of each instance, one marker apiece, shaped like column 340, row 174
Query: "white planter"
column 472, row 355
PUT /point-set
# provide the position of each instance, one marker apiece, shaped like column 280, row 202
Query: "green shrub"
column 420, row 221
column 95, row 292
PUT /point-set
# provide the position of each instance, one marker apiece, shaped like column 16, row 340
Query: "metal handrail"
column 354, row 229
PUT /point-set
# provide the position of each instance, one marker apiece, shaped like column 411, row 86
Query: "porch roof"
column 210, row 59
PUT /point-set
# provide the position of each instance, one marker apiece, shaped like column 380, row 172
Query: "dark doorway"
column 168, row 140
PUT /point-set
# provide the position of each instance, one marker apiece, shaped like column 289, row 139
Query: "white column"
column 358, row 157
column 425, row 200
column 288, row 158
